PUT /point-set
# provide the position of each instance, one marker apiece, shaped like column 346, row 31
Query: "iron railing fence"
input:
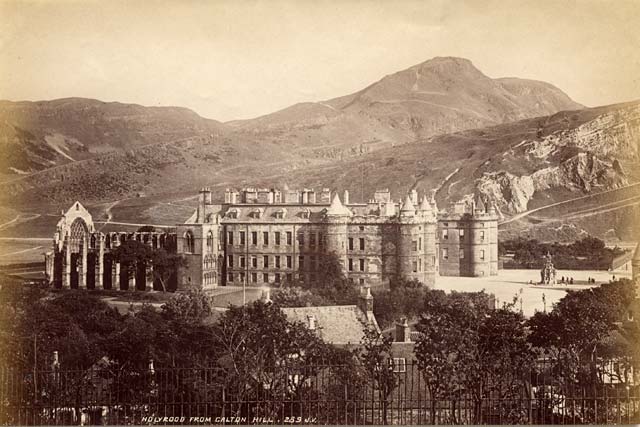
column 319, row 394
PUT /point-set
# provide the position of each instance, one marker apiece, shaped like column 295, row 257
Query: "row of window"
column 279, row 261
column 210, row 278
column 445, row 234
column 279, row 238
column 259, row 278
column 445, row 254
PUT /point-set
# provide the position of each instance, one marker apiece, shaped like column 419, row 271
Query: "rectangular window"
column 482, row 235
column 254, row 237
column 312, row 239
column 254, row 277
column 350, row 264
column 350, row 243
column 230, row 261
column 230, row 278
column 301, row 262
column 265, row 238
column 461, row 253
column 361, row 244
column 254, row 262
column 277, row 238
column 314, row 262
column 277, row 278
column 445, row 253
column 301, row 239
column 289, row 277
column 242, row 237
column 415, row 266
column 461, row 234
column 242, row 265
column 414, row 245
column 361, row 265
column 277, row 261
column 419, row 264
column 289, row 261
column 482, row 254
column 399, row 364
column 419, row 243
column 289, row 238
column 265, row 261
column 361, row 281
column 241, row 277
column 230, row 238
column 445, row 234
column 265, row 277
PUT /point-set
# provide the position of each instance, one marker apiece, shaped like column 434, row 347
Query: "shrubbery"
column 588, row 253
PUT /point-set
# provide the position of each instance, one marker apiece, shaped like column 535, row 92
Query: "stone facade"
column 468, row 240
column 261, row 236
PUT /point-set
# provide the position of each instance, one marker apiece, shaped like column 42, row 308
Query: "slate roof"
column 336, row 324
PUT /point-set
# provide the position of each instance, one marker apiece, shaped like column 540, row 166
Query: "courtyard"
column 511, row 283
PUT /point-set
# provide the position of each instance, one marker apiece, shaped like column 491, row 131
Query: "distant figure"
column 562, row 279
column 571, row 281
column 614, row 277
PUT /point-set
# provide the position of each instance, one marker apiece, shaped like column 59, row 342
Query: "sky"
column 240, row 59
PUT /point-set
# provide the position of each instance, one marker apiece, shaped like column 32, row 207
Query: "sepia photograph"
column 333, row 212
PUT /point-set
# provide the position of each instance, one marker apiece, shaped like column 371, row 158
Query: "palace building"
column 265, row 236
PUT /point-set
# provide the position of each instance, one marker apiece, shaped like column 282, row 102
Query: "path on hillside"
column 530, row 211
column 20, row 218
column 22, row 251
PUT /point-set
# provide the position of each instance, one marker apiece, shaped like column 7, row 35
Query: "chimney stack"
column 345, row 198
column 403, row 332
column 366, row 302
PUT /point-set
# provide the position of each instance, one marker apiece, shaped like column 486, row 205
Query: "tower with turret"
column 416, row 240
column 199, row 242
column 336, row 219
column 468, row 240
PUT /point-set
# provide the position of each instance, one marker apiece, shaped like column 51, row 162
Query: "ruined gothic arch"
column 78, row 235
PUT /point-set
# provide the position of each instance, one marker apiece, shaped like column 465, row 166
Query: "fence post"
column 224, row 398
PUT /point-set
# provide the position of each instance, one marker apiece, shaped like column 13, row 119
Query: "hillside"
column 439, row 125
column 442, row 95
column 45, row 134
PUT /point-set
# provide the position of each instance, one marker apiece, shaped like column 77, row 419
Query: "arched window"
column 189, row 243
column 107, row 241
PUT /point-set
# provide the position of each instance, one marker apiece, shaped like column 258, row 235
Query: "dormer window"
column 257, row 213
column 280, row 213
column 233, row 213
column 305, row 213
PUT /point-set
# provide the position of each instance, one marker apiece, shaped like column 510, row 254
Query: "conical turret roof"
column 480, row 207
column 424, row 204
column 337, row 208
column 407, row 207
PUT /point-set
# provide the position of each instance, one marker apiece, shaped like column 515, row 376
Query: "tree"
column 262, row 352
column 403, row 299
column 468, row 349
column 329, row 287
column 375, row 355
column 579, row 325
column 132, row 253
